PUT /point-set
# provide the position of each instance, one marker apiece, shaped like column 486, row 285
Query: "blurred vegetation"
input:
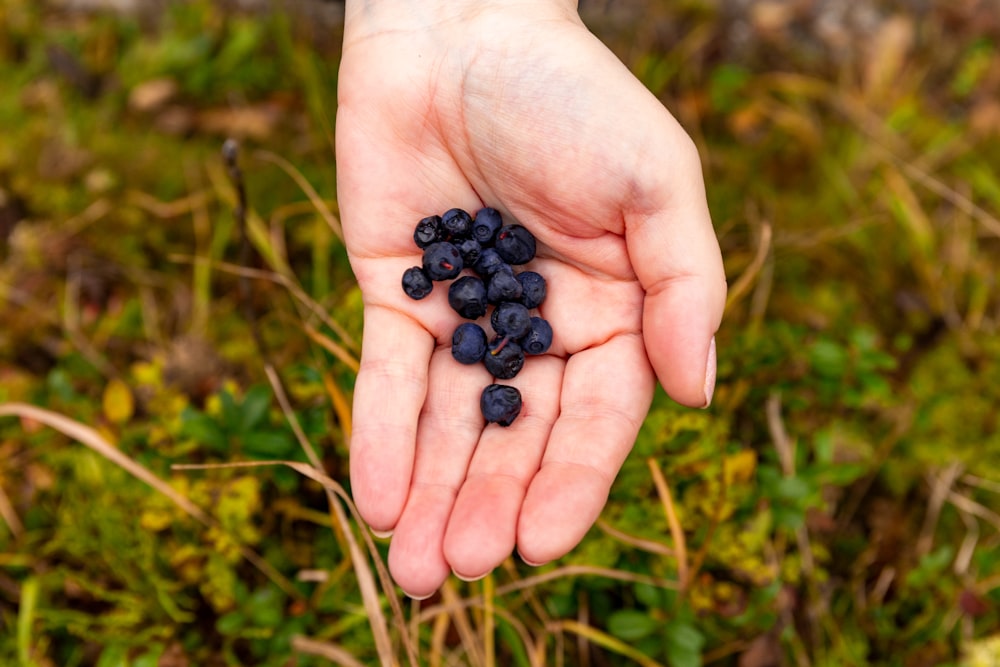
column 837, row 505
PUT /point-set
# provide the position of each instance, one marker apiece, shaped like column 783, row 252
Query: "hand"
column 516, row 106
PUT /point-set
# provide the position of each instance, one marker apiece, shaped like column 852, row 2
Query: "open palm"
column 533, row 116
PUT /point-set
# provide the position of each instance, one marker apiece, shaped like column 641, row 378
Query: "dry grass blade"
column 607, row 641
column 473, row 649
column 551, row 575
column 749, row 275
column 651, row 546
column 92, row 439
column 307, row 188
column 940, row 488
column 366, row 582
column 293, row 287
column 676, row 532
column 326, row 650
column 9, row 515
column 489, row 621
column 334, row 349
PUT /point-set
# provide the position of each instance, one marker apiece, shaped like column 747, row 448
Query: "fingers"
column 676, row 257
column 390, row 390
column 482, row 530
column 450, row 427
column 606, row 393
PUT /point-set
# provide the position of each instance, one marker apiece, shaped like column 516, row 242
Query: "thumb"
column 676, row 258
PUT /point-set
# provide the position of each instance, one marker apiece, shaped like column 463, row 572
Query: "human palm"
column 535, row 117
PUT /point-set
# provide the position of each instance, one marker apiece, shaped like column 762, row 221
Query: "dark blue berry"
column 467, row 296
column 500, row 404
column 468, row 343
column 488, row 263
column 515, row 244
column 486, row 225
column 470, row 250
column 538, row 339
column 533, row 288
column 442, row 261
column 503, row 286
column 416, row 284
column 504, row 358
column 456, row 223
column 511, row 319
column 428, row 231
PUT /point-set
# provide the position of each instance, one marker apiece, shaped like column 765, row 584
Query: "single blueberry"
column 538, row 339
column 456, row 223
column 533, row 288
column 486, row 225
column 428, row 231
column 511, row 319
column 515, row 244
column 470, row 250
column 500, row 404
column 468, row 343
column 442, row 261
column 467, row 296
column 503, row 286
column 488, row 263
column 416, row 284
column 504, row 358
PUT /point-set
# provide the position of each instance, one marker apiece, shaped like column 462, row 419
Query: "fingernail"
column 531, row 563
column 418, row 598
column 710, row 374
column 381, row 534
column 469, row 579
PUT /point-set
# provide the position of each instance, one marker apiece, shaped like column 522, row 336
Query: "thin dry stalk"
column 9, row 515
column 462, row 624
column 676, row 532
column 89, row 437
column 551, row 575
column 288, row 283
column 746, row 280
column 606, row 641
column 366, row 582
column 489, row 622
column 326, row 650
column 940, row 488
column 650, row 546
column 306, row 187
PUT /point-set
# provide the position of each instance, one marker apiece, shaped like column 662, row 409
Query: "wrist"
column 364, row 18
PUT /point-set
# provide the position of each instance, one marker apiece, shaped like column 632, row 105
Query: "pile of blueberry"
column 455, row 241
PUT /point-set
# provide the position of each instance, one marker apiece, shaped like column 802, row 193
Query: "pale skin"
column 515, row 105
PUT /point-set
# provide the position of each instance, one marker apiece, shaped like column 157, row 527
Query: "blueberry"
column 533, row 288
column 470, row 250
column 504, row 358
column 442, row 261
column 468, row 343
column 538, row 339
column 488, row 263
column 515, row 244
column 500, row 404
column 428, row 231
column 416, row 284
column 486, row 225
column 467, row 296
column 456, row 223
column 503, row 286
column 511, row 319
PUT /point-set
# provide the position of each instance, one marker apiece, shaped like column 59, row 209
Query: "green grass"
column 837, row 505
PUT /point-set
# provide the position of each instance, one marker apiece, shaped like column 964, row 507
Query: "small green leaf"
column 630, row 624
column 684, row 644
column 254, row 408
